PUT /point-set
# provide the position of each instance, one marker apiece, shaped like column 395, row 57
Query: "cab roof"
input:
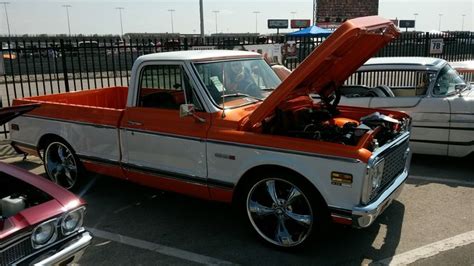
column 199, row 55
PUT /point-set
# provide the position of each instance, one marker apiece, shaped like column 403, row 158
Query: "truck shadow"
column 213, row 229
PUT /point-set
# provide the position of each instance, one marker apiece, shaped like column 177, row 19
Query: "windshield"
column 238, row 82
column 447, row 80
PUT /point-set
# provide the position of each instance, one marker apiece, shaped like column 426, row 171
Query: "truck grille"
column 395, row 161
column 17, row 251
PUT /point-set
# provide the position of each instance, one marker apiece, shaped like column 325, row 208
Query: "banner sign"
column 278, row 23
column 407, row 24
column 300, row 23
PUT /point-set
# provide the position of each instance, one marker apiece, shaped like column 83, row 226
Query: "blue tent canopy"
column 311, row 31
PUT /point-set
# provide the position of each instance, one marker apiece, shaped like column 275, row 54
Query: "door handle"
column 134, row 123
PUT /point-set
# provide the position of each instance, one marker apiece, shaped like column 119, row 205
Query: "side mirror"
column 459, row 88
column 186, row 110
column 190, row 110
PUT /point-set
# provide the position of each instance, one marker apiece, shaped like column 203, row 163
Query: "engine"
column 17, row 195
column 323, row 125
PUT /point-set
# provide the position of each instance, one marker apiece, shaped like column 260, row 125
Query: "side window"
column 166, row 87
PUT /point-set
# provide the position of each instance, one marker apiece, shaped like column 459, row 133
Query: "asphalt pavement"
column 432, row 223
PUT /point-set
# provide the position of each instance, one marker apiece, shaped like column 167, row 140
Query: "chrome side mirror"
column 189, row 110
column 459, row 88
column 186, row 110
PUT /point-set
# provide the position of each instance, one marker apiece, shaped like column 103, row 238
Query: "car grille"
column 17, row 251
column 395, row 161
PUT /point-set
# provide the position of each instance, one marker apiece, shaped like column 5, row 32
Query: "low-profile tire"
column 62, row 166
column 285, row 211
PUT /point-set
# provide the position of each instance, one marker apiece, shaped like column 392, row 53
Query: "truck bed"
column 98, row 106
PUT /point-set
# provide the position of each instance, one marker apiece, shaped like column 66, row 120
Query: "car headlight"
column 72, row 221
column 375, row 174
column 44, row 233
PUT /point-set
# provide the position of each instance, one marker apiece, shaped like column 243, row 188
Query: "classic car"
column 40, row 222
column 220, row 125
column 437, row 98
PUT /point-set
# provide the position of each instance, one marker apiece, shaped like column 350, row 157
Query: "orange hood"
column 331, row 63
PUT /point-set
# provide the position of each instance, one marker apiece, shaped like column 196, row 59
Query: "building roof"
column 198, row 55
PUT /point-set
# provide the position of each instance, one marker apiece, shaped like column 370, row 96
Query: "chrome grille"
column 395, row 161
column 17, row 251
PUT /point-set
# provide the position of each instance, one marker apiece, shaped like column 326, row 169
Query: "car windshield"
column 447, row 80
column 238, row 82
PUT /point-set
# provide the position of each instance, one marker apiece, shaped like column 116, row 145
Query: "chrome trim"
column 73, row 248
column 364, row 216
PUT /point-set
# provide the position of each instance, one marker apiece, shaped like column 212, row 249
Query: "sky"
column 102, row 17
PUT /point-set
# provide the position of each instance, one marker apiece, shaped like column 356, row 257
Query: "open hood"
column 331, row 63
column 8, row 113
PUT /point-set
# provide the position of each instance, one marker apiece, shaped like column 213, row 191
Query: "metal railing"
column 39, row 66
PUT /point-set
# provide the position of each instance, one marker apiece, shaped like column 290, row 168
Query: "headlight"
column 375, row 174
column 44, row 233
column 72, row 221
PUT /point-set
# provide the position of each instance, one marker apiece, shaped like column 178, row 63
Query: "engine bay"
column 17, row 195
column 323, row 124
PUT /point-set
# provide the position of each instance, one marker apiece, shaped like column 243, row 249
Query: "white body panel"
column 88, row 140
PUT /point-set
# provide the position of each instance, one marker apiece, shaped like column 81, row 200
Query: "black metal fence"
column 39, row 66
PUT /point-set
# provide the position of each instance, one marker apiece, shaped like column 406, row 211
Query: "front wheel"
column 283, row 211
column 61, row 165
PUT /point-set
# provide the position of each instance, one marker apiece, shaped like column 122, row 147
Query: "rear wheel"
column 283, row 211
column 62, row 165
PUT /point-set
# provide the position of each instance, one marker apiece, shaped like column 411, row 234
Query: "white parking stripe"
column 442, row 180
column 429, row 250
column 165, row 250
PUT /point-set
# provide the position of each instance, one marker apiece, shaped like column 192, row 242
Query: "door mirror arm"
column 190, row 110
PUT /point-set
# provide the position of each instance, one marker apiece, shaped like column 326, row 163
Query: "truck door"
column 160, row 148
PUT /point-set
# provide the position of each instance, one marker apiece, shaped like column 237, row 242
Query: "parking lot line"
column 442, row 180
column 165, row 250
column 428, row 250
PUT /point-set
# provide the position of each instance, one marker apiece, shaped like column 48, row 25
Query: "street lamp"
column 415, row 14
column 68, row 22
column 439, row 22
column 121, row 23
column 171, row 13
column 462, row 26
column 215, row 13
column 6, row 16
column 256, row 15
column 293, row 13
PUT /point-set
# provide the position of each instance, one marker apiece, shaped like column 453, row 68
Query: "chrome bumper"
column 69, row 253
column 365, row 215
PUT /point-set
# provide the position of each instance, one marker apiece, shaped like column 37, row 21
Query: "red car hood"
column 62, row 201
column 331, row 63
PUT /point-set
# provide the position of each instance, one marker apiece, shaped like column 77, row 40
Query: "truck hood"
column 331, row 63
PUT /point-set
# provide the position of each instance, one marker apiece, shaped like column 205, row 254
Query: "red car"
column 40, row 222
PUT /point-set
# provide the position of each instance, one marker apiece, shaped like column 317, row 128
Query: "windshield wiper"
column 268, row 89
column 238, row 94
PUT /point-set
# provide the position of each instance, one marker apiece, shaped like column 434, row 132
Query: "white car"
column 438, row 99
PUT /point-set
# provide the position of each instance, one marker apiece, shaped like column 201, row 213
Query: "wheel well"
column 46, row 139
column 247, row 177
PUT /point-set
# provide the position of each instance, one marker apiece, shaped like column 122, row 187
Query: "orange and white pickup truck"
column 220, row 125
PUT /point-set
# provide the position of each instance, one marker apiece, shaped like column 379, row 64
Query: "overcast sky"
column 101, row 17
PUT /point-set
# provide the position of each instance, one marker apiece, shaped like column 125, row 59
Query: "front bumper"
column 68, row 253
column 365, row 215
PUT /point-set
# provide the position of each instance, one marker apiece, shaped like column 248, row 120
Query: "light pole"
column 462, row 25
column 415, row 14
column 293, row 13
column 68, row 22
column 171, row 13
column 215, row 13
column 121, row 23
column 439, row 22
column 6, row 16
column 256, row 20
column 201, row 14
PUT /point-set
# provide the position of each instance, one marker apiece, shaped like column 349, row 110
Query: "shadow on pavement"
column 214, row 229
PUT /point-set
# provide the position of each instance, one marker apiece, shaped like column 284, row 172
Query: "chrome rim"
column 279, row 212
column 60, row 165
